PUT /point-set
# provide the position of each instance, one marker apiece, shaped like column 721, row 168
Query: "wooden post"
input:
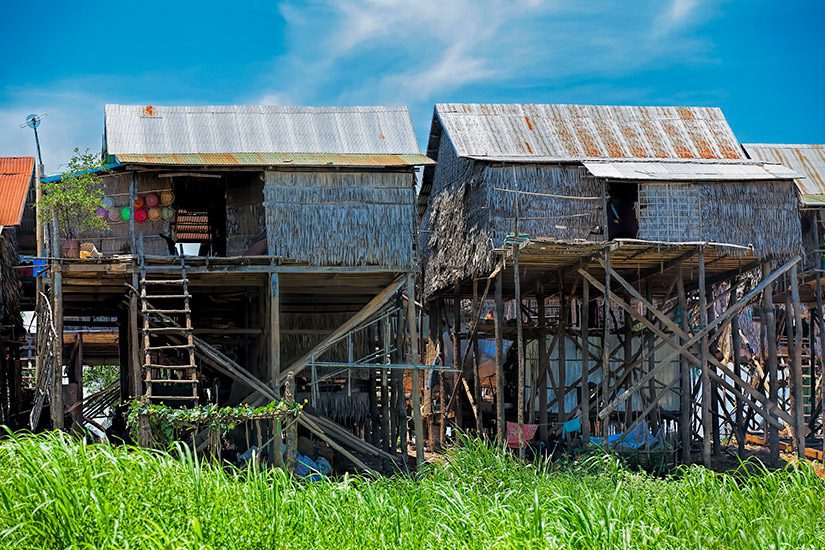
column 292, row 431
column 627, row 345
column 412, row 359
column 56, row 394
column 398, row 389
column 584, row 380
column 736, row 344
column 458, row 363
column 707, row 435
column 798, row 397
column 476, row 370
column 275, row 360
column 654, row 417
column 77, row 379
column 541, row 376
column 386, row 409
column 520, row 351
column 685, row 400
column 770, row 336
column 442, row 381
column 716, row 446
column 605, row 345
column 561, row 401
column 499, row 329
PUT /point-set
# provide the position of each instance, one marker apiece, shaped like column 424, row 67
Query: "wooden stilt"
column 770, row 336
column 796, row 364
column 685, row 401
column 605, row 346
column 707, row 419
column 627, row 345
column 399, row 399
column 413, row 358
column 561, row 354
column 541, row 386
column 458, row 362
column 584, row 380
column 520, row 351
column 291, row 457
column 716, row 446
column 499, row 329
column 476, row 371
column 386, row 408
column 736, row 345
column 56, row 394
column 274, row 374
column 442, row 378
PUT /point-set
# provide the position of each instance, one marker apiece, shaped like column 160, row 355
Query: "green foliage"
column 98, row 377
column 56, row 492
column 74, row 199
column 165, row 421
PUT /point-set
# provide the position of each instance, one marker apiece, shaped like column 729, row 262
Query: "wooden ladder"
column 169, row 369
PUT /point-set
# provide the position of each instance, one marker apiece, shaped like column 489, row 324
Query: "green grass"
column 55, row 493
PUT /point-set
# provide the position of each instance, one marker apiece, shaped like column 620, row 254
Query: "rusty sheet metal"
column 274, row 159
column 152, row 130
column 805, row 159
column 15, row 177
column 657, row 170
column 550, row 133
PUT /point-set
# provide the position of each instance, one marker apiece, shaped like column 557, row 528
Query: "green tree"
column 74, row 199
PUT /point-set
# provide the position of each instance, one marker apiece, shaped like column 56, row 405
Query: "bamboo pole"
column 707, row 430
column 584, row 380
column 799, row 398
column 499, row 329
column 412, row 359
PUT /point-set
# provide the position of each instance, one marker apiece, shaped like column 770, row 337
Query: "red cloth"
column 512, row 433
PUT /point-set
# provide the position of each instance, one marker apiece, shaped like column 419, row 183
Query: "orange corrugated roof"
column 15, row 177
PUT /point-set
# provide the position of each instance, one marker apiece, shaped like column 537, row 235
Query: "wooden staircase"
column 169, row 369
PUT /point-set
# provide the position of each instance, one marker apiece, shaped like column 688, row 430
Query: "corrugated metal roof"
column 151, row 130
column 805, row 159
column 15, row 177
column 275, row 159
column 654, row 170
column 548, row 133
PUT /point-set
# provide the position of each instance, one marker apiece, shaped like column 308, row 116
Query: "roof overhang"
column 688, row 171
column 305, row 160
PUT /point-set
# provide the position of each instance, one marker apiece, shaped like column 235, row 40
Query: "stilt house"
column 249, row 242
column 602, row 225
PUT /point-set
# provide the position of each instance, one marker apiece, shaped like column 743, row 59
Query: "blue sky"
column 761, row 61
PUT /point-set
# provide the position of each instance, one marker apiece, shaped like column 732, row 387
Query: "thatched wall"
column 341, row 218
column 760, row 214
column 469, row 216
column 9, row 282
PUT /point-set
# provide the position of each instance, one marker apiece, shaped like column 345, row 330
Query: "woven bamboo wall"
column 341, row 218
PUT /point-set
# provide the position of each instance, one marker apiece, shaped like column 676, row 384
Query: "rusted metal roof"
column 805, row 159
column 152, row 130
column 660, row 170
column 274, row 159
column 548, row 133
column 15, row 177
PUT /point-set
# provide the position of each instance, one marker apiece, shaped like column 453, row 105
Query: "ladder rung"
column 166, row 311
column 167, row 296
column 166, row 329
column 172, row 367
column 171, row 346
column 163, row 281
column 174, row 397
column 163, row 381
